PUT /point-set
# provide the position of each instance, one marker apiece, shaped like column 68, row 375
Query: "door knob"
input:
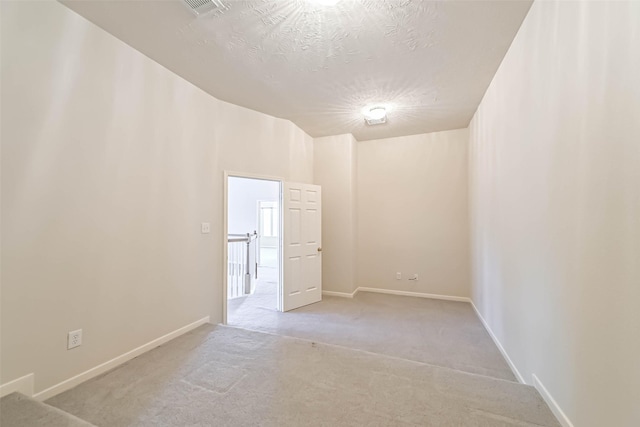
column 319, row 249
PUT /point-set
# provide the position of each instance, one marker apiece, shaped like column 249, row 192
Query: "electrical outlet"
column 74, row 339
column 398, row 276
column 206, row 228
column 415, row 277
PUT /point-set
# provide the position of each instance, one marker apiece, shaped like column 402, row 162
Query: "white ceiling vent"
column 201, row 7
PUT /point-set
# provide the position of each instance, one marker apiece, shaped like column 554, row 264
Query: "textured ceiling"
column 430, row 62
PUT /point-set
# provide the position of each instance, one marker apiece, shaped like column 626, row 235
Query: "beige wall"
column 412, row 213
column 555, row 207
column 335, row 170
column 109, row 164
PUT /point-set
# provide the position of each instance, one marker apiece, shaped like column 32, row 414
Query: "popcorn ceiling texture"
column 430, row 61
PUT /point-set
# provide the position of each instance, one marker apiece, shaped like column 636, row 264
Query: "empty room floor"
column 371, row 360
column 442, row 333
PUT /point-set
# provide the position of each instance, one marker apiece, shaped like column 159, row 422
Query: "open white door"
column 302, row 236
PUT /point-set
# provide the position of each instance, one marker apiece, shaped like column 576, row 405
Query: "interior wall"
column 335, row 169
column 242, row 204
column 555, row 207
column 413, row 213
column 109, row 165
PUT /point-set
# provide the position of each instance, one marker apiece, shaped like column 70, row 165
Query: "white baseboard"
column 106, row 366
column 339, row 294
column 394, row 292
column 553, row 405
column 23, row 385
column 499, row 345
column 551, row 402
column 412, row 294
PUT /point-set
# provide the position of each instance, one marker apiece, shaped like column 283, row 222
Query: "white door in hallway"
column 302, row 250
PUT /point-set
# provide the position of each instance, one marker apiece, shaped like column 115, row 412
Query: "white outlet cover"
column 398, row 276
column 206, row 228
column 74, row 339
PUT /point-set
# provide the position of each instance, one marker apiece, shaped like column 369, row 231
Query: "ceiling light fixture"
column 375, row 116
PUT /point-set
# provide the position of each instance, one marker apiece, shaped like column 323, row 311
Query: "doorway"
column 254, row 243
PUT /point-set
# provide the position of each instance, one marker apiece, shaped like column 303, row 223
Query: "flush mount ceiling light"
column 375, row 115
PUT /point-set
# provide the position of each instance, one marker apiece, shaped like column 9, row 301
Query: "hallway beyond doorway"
column 253, row 262
column 264, row 299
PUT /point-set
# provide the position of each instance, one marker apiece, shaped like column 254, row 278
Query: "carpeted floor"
column 265, row 296
column 374, row 360
column 225, row 376
column 441, row 333
column 17, row 410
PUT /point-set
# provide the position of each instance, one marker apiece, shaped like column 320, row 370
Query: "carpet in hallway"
column 227, row 376
column 441, row 333
column 18, row 410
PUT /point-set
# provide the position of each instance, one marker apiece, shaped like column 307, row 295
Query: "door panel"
column 302, row 238
column 295, row 226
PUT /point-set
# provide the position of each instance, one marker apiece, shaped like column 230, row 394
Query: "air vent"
column 201, row 7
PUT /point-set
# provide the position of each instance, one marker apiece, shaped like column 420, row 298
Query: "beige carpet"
column 223, row 376
column 17, row 410
column 441, row 333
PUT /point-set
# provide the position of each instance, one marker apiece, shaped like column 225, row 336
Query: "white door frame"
column 225, row 214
